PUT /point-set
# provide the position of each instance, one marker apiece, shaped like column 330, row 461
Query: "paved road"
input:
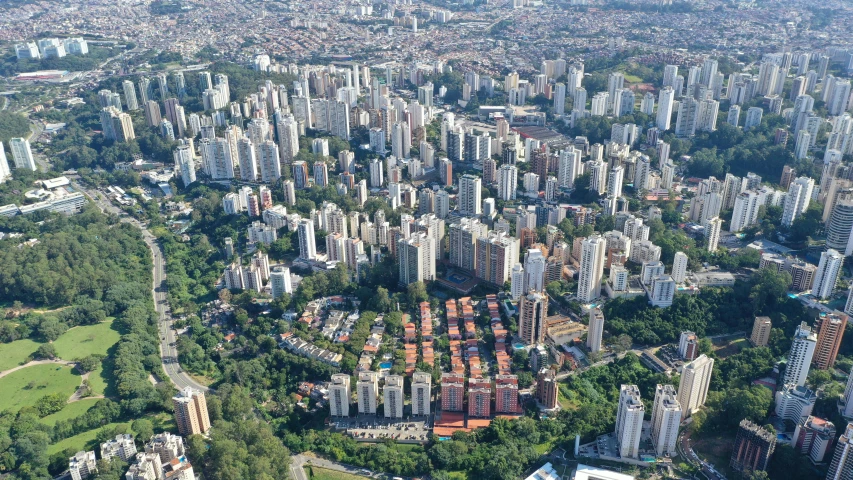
column 687, row 453
column 168, row 349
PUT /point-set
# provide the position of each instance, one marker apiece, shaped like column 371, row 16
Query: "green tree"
column 416, row 293
column 144, row 429
column 45, row 351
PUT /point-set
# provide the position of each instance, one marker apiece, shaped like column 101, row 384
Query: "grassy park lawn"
column 15, row 353
column 72, row 410
column 86, row 340
column 318, row 473
column 88, row 439
column 27, row 385
column 633, row 79
column 84, row 441
column 100, row 380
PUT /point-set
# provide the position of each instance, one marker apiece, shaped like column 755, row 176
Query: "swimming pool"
column 385, row 365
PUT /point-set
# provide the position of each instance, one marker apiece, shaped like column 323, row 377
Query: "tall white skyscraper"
column 797, row 200
column 827, row 273
column 534, row 269
column 629, row 421
column 507, row 182
column 280, row 281
column 421, row 393
column 745, row 212
column 560, row 99
column 713, row 227
column 841, row 466
column 800, row 356
column 666, row 416
column 367, row 390
column 470, row 193
column 339, row 395
column 693, row 388
column 185, row 163
column 669, row 74
column 517, row 279
column 130, row 95
column 591, row 269
column 393, row 396
column 679, row 267
column 569, row 166
column 417, row 256
column 307, row 241
column 665, row 104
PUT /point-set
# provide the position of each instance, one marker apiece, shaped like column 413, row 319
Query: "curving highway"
column 168, row 347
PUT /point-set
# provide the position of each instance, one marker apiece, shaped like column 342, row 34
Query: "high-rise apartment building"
column 479, row 398
column 679, row 267
column 307, row 240
column 452, row 392
column 666, row 416
column 417, row 256
column 693, row 388
column 547, row 388
column 367, row 390
column 22, row 154
column 666, row 100
column 421, row 394
column 841, row 466
column 596, row 330
column 506, row 394
column 507, row 182
column 191, row 412
column 533, row 308
column 753, row 448
column 827, row 273
column 339, row 395
column 797, row 200
column 497, row 253
column 470, row 191
column 591, row 268
column 713, row 227
column 82, row 464
column 629, row 421
column 830, row 328
column 393, row 396
column 761, row 331
column 688, row 346
column 800, row 356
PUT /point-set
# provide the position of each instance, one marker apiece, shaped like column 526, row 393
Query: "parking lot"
column 371, row 428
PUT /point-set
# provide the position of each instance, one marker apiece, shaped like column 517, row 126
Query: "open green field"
column 24, row 387
column 100, row 380
column 72, row 410
column 15, row 353
column 84, row 441
column 86, row 340
column 633, row 79
column 325, row 474
column 88, row 439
